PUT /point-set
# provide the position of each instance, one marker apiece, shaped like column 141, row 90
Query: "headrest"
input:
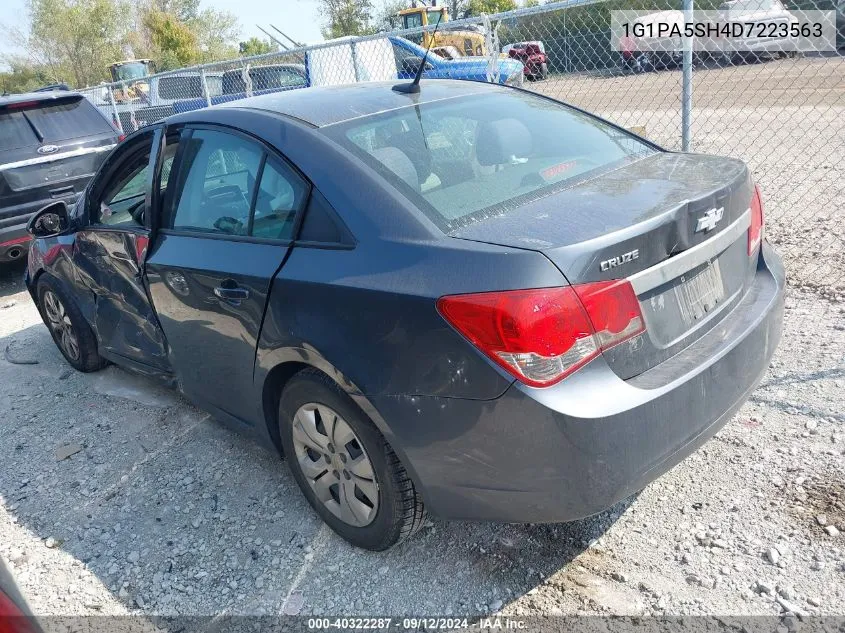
column 499, row 141
column 398, row 162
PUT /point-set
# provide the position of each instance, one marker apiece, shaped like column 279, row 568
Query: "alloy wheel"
column 59, row 322
column 333, row 460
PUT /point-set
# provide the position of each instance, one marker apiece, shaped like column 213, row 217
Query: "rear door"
column 226, row 226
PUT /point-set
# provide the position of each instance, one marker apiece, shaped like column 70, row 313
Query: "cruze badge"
column 624, row 258
column 709, row 220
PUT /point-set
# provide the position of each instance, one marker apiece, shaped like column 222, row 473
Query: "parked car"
column 15, row 614
column 166, row 89
column 381, row 59
column 762, row 13
column 473, row 300
column 535, row 63
column 261, row 78
column 51, row 143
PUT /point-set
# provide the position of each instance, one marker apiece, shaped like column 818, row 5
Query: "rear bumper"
column 574, row 449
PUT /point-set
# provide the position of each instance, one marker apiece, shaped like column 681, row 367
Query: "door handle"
column 230, row 293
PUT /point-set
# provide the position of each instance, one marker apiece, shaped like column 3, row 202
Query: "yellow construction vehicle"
column 131, row 73
column 469, row 40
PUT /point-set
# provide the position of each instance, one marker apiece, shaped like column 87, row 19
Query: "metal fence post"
column 205, row 92
column 115, row 113
column 686, row 90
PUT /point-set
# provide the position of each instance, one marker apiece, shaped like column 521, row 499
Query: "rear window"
column 20, row 126
column 180, row 87
column 463, row 159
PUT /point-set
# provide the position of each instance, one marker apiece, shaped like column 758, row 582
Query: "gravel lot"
column 116, row 496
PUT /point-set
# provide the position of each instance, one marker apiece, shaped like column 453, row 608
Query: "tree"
column 479, row 7
column 387, row 18
column 255, row 46
column 23, row 76
column 184, row 10
column 174, row 44
column 217, row 33
column 346, row 17
column 76, row 40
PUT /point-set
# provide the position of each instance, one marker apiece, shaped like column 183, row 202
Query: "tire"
column 69, row 329
column 385, row 508
column 544, row 71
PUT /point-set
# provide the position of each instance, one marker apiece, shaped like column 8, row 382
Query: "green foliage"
column 184, row 10
column 174, row 43
column 386, row 18
column 76, row 40
column 217, row 33
column 346, row 17
column 255, row 46
column 23, row 77
column 478, row 7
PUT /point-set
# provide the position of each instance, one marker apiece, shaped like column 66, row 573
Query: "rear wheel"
column 544, row 70
column 71, row 333
column 345, row 468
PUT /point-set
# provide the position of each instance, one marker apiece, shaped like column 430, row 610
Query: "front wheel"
column 345, row 468
column 71, row 333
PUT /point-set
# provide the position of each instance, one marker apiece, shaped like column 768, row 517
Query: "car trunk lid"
column 675, row 225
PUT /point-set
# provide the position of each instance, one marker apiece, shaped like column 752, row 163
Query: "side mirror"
column 50, row 221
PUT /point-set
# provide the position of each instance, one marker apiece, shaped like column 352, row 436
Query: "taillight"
column 755, row 231
column 12, row 619
column 121, row 138
column 541, row 336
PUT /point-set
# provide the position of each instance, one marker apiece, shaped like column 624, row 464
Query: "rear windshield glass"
column 20, row 126
column 463, row 159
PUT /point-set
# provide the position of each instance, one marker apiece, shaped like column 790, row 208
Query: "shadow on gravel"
column 11, row 279
column 177, row 515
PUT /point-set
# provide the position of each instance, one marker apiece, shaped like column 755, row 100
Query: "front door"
column 226, row 225
column 111, row 252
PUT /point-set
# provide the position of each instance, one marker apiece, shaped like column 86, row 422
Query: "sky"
column 298, row 18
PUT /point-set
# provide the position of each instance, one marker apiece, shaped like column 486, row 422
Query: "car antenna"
column 414, row 86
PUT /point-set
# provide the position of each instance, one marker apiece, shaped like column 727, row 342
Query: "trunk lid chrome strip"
column 674, row 267
column 54, row 157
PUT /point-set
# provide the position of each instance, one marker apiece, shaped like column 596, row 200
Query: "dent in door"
column 124, row 318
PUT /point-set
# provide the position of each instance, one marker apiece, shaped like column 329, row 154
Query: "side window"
column 281, row 195
column 219, row 173
column 120, row 200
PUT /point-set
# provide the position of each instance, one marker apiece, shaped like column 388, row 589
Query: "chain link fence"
column 777, row 104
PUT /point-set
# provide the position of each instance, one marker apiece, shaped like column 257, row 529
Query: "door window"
column 220, row 175
column 231, row 186
column 122, row 200
column 280, row 197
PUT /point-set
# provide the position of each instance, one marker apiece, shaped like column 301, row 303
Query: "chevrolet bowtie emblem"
column 709, row 220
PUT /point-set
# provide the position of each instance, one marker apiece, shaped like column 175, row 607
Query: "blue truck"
column 348, row 61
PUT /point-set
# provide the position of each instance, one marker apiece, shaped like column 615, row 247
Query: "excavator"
column 131, row 73
column 467, row 39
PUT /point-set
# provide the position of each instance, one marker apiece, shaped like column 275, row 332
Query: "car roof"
column 327, row 105
column 38, row 96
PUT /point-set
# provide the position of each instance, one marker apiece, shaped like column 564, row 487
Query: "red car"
column 533, row 57
column 14, row 612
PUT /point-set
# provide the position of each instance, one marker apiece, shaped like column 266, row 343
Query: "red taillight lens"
column 12, row 619
column 541, row 336
column 755, row 231
column 121, row 138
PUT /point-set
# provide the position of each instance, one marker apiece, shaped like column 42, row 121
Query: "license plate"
column 700, row 293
